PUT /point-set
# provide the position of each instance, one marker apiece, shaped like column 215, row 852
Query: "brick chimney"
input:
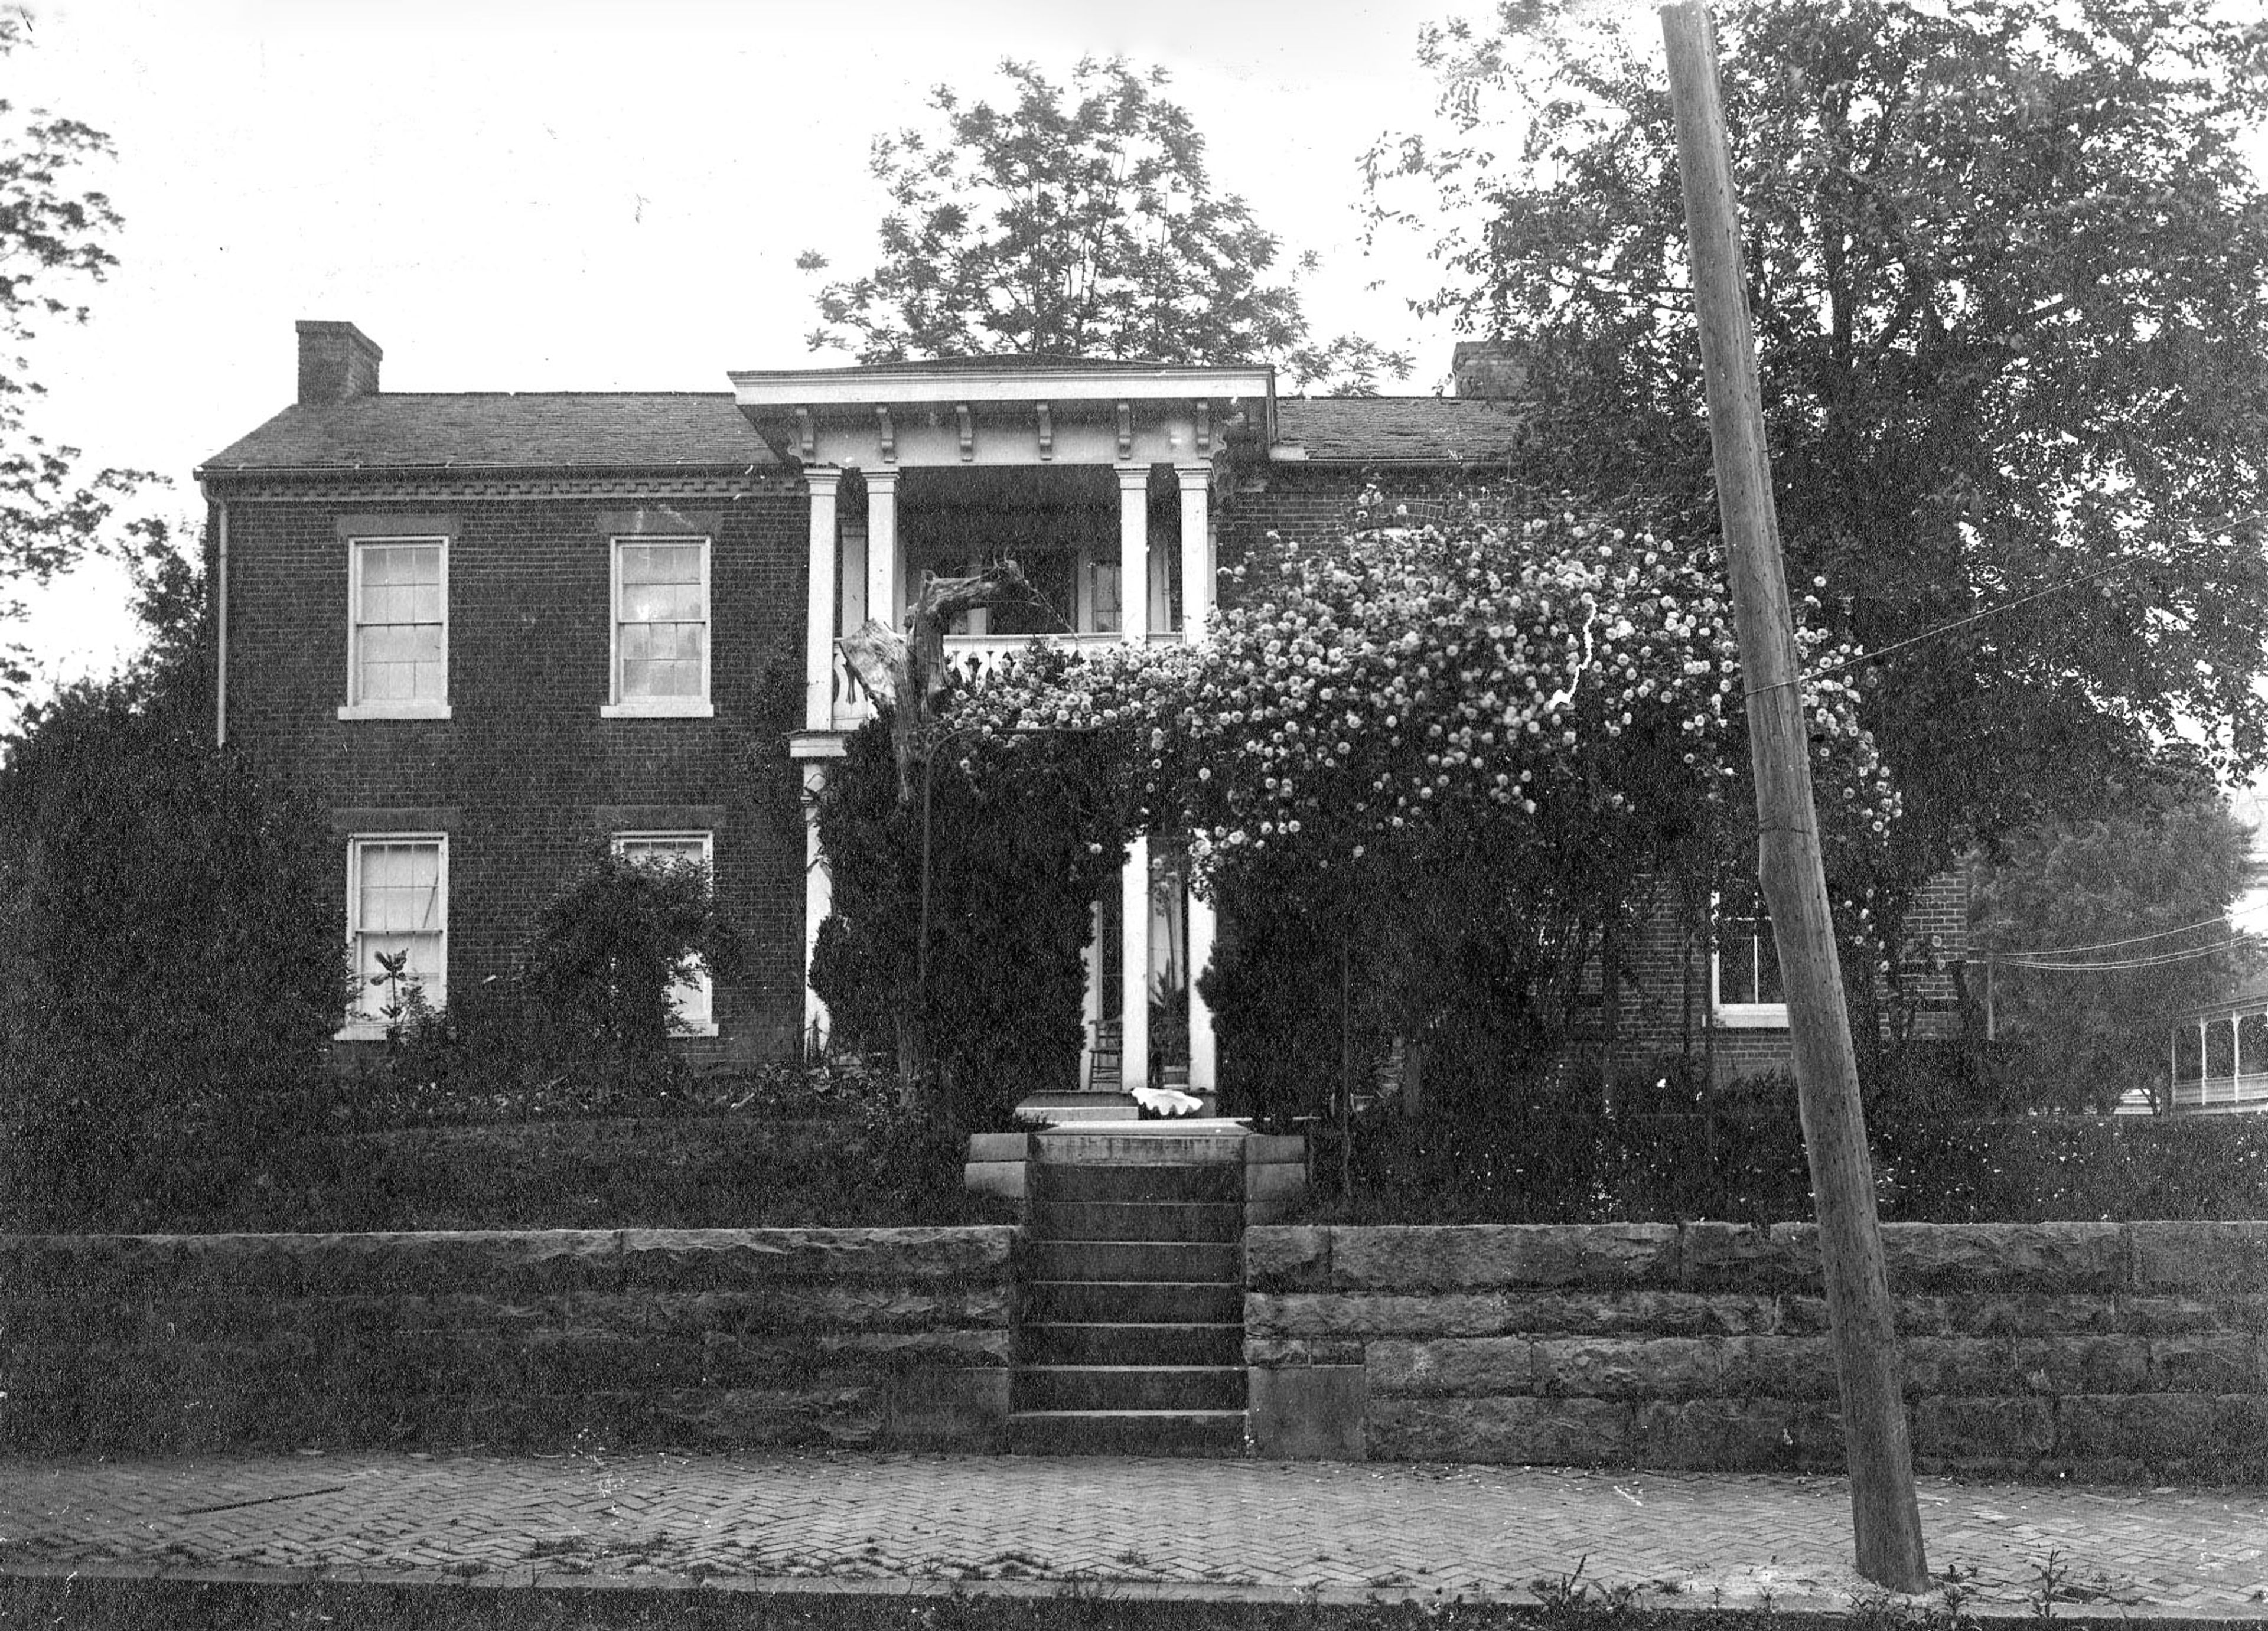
column 336, row 361
column 1488, row 368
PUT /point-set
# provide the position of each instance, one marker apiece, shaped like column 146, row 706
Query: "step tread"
column 1147, row 1416
column 1121, row 1370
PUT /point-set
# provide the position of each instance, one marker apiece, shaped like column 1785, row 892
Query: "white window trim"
column 412, row 707
column 359, row 1027
column 657, row 707
column 1736, row 1016
column 708, row 842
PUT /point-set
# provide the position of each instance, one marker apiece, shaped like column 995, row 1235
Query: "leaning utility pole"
column 1884, row 1517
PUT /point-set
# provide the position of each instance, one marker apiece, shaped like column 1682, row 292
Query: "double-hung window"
column 660, row 639
column 692, row 998
column 1746, row 966
column 397, row 911
column 397, row 628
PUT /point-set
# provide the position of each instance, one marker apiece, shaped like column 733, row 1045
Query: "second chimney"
column 336, row 361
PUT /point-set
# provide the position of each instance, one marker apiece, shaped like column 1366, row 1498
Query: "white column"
column 1134, row 553
column 883, row 576
column 1203, row 1072
column 1197, row 560
column 1134, row 967
column 818, row 901
column 819, row 652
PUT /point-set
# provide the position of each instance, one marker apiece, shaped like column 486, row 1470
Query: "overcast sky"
column 508, row 195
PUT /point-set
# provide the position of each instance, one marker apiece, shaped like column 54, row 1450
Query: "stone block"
column 1974, row 1258
column 1280, row 1258
column 896, row 1351
column 1000, row 1147
column 2154, row 1429
column 1646, row 1313
column 1005, row 1178
column 1964, row 1366
column 2083, row 1364
column 1913, row 1316
column 2165, row 1316
column 1718, row 1435
column 1275, row 1181
column 1450, row 1366
column 1271, row 1353
column 942, row 1408
column 1776, row 1367
column 1624, row 1367
column 2224, row 1362
column 2216, row 1260
column 1483, row 1257
column 2007, row 1431
column 1308, row 1413
column 692, row 1260
column 1329, row 1314
column 2017, row 1314
column 1275, row 1149
column 1551, row 1432
column 1719, row 1256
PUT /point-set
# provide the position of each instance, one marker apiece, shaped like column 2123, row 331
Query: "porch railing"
column 2250, row 1088
column 973, row 658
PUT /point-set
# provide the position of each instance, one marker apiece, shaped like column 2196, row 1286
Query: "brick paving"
column 1238, row 1528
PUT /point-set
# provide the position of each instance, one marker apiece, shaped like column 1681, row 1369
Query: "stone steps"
column 1131, row 1335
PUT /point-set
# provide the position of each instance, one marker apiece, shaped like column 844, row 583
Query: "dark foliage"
column 1013, row 878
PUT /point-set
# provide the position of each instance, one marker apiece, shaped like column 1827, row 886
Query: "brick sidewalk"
column 1240, row 1528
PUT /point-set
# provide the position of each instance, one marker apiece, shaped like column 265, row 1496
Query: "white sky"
column 514, row 195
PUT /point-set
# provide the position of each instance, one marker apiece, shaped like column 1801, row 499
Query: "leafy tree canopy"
column 2104, row 931
column 52, row 233
column 1075, row 221
column 2009, row 270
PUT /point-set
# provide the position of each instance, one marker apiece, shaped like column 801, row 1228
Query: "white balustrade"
column 973, row 659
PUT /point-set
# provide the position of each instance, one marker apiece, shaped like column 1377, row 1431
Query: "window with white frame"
column 397, row 628
column 397, row 911
column 1745, row 977
column 660, row 627
column 693, row 999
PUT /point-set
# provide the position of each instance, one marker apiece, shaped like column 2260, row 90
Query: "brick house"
column 492, row 629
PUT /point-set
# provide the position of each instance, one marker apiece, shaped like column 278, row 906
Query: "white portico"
column 1098, row 478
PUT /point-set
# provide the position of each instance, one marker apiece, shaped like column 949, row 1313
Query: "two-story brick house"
column 491, row 629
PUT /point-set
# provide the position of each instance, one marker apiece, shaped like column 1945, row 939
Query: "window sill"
column 360, row 1031
column 1752, row 1017
column 394, row 711
column 660, row 708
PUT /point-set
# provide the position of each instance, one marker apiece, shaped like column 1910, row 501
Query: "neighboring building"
column 491, row 629
column 2217, row 1054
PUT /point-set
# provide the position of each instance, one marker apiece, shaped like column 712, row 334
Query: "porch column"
column 1134, row 875
column 818, row 901
column 1134, row 967
column 1134, row 555
column 883, row 576
column 1204, row 1074
column 1197, row 570
column 819, row 646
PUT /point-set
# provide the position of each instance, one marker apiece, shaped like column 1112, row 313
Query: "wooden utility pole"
column 1885, row 1519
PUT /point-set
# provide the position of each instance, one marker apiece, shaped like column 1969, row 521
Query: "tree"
column 52, row 234
column 173, row 970
column 1074, row 221
column 2009, row 272
column 2102, row 930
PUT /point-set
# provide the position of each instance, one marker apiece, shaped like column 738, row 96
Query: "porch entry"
column 1166, row 980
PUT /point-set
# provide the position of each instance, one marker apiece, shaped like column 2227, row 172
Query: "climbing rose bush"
column 1556, row 682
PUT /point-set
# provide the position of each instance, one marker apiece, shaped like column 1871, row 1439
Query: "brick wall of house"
column 526, row 776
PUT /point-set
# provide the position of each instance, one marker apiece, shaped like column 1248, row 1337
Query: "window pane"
column 2221, row 1048
column 399, row 625
column 661, row 621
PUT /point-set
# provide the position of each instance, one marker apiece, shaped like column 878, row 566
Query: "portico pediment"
column 1006, row 411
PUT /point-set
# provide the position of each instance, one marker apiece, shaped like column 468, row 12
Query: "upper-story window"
column 660, row 640
column 1746, row 968
column 397, row 628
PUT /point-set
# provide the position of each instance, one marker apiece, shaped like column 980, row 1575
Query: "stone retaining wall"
column 866, row 1337
column 2093, row 1350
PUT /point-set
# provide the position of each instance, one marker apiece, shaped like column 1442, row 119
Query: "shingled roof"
column 472, row 430
column 651, row 429
column 1397, row 430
